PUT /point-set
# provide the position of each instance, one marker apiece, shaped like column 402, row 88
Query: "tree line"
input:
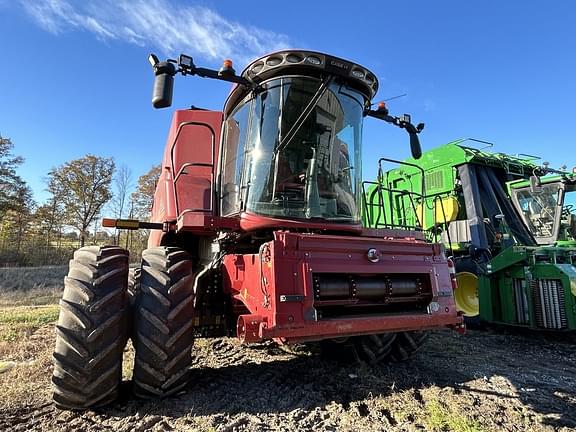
column 79, row 192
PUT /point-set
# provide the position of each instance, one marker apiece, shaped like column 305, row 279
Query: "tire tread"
column 163, row 319
column 91, row 329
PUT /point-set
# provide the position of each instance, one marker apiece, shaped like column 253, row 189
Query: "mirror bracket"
column 403, row 122
column 164, row 72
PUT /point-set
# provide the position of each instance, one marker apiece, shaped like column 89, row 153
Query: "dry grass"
column 28, row 278
column 33, row 297
column 31, row 286
column 26, row 343
column 128, row 361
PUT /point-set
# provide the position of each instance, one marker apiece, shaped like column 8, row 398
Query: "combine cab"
column 256, row 232
column 509, row 223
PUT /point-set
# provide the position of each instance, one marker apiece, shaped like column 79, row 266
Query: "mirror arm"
column 403, row 123
column 214, row 74
column 164, row 72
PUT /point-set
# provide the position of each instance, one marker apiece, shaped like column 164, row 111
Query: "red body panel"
column 250, row 222
column 300, row 286
column 278, row 285
column 188, row 174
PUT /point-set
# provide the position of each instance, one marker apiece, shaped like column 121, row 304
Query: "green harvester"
column 508, row 222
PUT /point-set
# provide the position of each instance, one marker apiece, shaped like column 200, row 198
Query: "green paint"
column 519, row 279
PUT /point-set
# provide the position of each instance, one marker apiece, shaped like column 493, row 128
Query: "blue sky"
column 75, row 77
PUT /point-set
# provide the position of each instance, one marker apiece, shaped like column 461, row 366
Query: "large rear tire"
column 162, row 333
column 92, row 329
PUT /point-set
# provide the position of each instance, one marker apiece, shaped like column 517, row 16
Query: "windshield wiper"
column 311, row 192
column 298, row 124
column 304, row 114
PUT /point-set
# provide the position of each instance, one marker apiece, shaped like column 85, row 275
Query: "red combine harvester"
column 256, row 232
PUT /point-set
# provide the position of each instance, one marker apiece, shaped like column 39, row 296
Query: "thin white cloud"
column 159, row 24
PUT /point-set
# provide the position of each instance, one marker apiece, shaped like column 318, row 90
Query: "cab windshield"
column 541, row 210
column 277, row 163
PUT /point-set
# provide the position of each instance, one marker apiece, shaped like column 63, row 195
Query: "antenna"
column 395, row 97
column 390, row 98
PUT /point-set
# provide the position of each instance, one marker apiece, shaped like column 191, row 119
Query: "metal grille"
column 434, row 180
column 521, row 301
column 548, row 295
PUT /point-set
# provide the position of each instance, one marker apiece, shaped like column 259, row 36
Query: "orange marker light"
column 381, row 106
column 226, row 69
column 109, row 223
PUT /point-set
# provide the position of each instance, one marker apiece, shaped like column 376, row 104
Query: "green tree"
column 143, row 196
column 22, row 213
column 140, row 208
column 10, row 182
column 84, row 185
column 50, row 218
column 16, row 225
column 120, row 205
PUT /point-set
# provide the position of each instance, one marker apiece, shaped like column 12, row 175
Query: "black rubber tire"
column 162, row 334
column 132, row 294
column 92, row 329
column 407, row 344
column 133, row 284
column 371, row 349
column 376, row 348
column 466, row 265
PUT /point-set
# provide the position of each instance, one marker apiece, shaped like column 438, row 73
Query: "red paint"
column 188, row 172
column 285, row 267
column 251, row 222
column 274, row 290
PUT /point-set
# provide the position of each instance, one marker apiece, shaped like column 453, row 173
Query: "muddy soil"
column 480, row 381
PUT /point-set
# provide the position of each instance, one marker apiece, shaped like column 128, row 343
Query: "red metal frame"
column 283, row 270
column 185, row 191
column 276, row 285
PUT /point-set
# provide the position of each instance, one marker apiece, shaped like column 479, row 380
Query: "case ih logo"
column 339, row 65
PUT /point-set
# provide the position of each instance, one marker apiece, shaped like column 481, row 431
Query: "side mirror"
column 413, row 131
column 415, row 147
column 163, row 84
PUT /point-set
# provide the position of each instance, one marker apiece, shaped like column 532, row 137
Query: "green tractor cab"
column 508, row 222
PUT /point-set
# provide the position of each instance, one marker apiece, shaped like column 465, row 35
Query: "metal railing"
column 387, row 207
column 396, row 208
column 184, row 169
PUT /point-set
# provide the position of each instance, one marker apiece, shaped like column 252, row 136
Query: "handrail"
column 400, row 206
column 176, row 176
column 190, row 164
column 427, row 202
column 418, row 167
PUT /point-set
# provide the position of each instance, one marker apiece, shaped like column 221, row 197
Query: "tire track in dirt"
column 500, row 382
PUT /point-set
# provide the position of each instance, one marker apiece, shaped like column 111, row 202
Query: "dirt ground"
column 481, row 381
